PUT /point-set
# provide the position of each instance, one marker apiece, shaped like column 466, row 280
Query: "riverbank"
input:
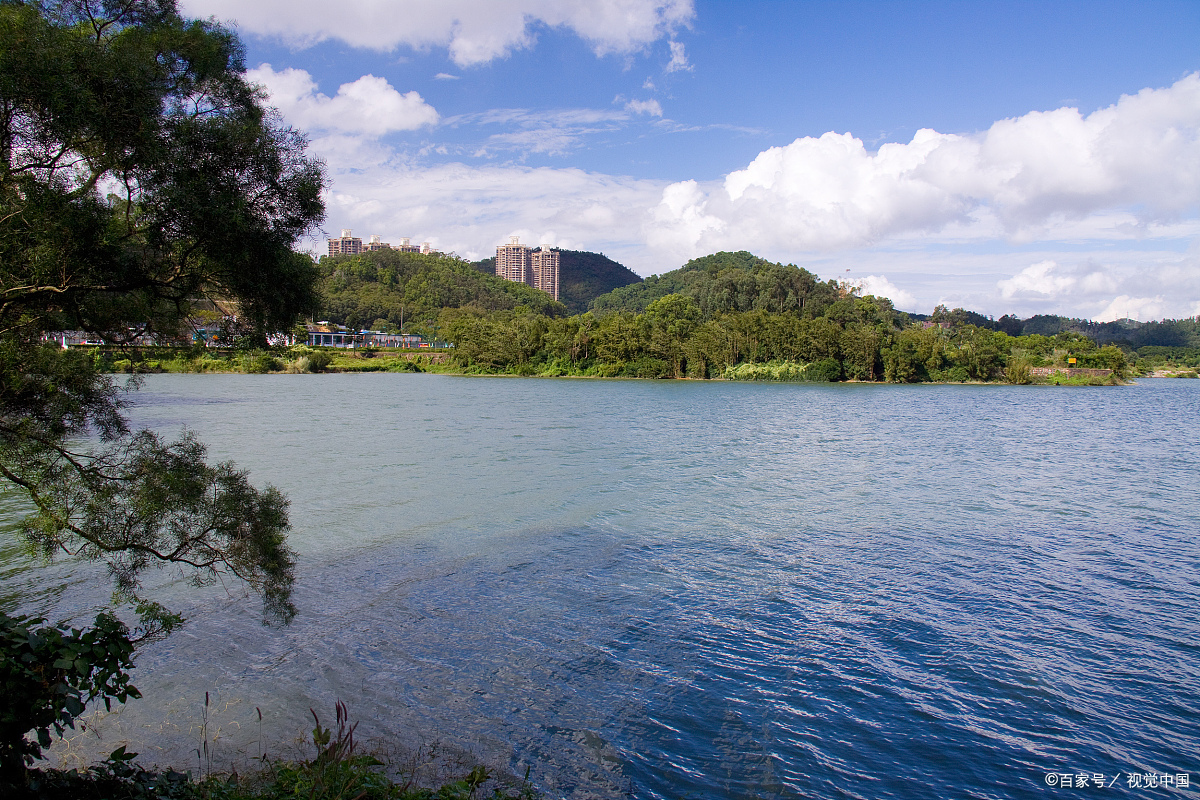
column 302, row 359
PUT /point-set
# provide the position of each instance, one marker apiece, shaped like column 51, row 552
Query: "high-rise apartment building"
column 544, row 262
column 346, row 244
column 537, row 268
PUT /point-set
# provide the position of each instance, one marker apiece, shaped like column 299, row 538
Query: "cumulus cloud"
column 1126, row 307
column 880, row 286
column 1036, row 279
column 474, row 31
column 1022, row 178
column 369, row 106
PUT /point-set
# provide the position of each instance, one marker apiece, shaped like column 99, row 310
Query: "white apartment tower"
column 346, row 244
column 544, row 262
column 537, row 268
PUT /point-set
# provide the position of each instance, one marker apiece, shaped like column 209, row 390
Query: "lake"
column 662, row 589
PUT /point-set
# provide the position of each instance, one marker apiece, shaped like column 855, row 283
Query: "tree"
column 140, row 174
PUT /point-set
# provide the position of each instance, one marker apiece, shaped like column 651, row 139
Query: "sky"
column 1004, row 157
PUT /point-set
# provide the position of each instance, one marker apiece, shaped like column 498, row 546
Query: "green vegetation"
column 296, row 359
column 48, row 674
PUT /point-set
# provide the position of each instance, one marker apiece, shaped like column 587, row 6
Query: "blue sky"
column 1006, row 157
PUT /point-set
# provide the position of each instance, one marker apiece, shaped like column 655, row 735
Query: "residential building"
column 537, row 268
column 375, row 244
column 513, row 261
column 346, row 244
column 544, row 262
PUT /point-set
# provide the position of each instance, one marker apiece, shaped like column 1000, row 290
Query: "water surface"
column 706, row 590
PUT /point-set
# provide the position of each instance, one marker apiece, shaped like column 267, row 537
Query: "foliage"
column 825, row 371
column 47, row 676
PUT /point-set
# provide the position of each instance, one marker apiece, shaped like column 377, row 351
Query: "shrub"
column 261, row 363
column 646, row 367
column 319, row 361
column 1018, row 371
column 48, row 674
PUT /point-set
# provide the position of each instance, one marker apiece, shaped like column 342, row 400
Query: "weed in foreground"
column 337, row 771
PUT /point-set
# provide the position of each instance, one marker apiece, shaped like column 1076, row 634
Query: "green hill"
column 729, row 282
column 387, row 288
column 583, row 276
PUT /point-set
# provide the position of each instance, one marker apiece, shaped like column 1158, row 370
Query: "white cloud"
column 679, row 59
column 1126, row 307
column 1024, row 178
column 368, row 106
column 474, row 31
column 650, row 107
column 880, row 286
column 1036, row 279
column 446, row 76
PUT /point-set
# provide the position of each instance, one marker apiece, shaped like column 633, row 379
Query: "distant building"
column 537, row 268
column 345, row 244
column 324, row 334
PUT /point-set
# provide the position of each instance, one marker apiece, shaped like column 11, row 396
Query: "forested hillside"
column 388, row 289
column 583, row 276
column 725, row 282
column 1164, row 333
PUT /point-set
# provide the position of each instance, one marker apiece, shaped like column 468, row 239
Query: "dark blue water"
column 705, row 590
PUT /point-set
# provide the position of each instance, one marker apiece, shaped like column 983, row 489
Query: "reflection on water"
column 676, row 589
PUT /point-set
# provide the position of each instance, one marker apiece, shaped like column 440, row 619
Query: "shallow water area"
column 686, row 589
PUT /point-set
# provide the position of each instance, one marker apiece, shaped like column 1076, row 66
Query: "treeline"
column 1127, row 333
column 733, row 315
